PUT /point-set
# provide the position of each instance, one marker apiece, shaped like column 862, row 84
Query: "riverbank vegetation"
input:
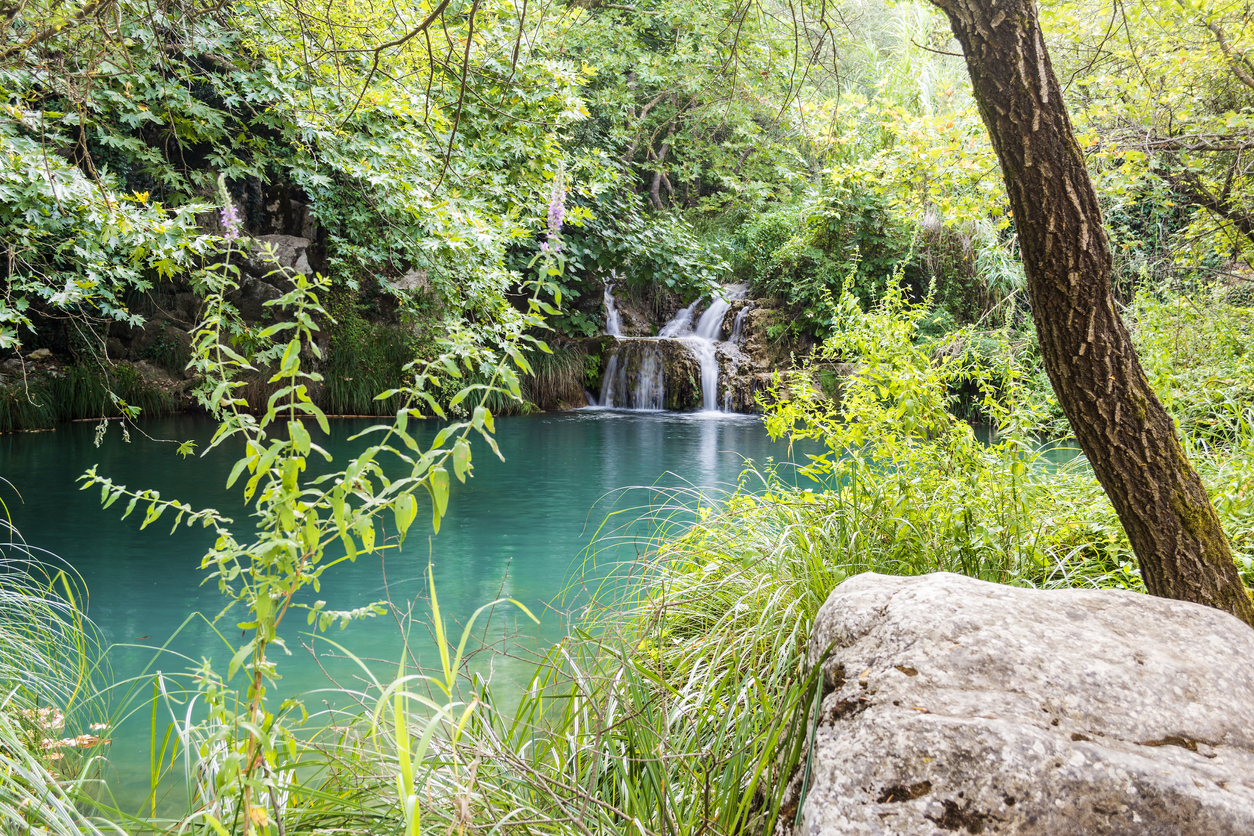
column 270, row 214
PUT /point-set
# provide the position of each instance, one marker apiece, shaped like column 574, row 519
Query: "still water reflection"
column 519, row 528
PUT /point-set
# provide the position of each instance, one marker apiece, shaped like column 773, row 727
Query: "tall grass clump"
column 25, row 405
column 556, row 379
column 79, row 392
column 652, row 717
column 363, row 359
column 48, row 655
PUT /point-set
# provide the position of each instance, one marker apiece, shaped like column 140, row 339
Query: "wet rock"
column 740, row 380
column 959, row 706
column 755, row 341
column 635, row 318
column 650, row 374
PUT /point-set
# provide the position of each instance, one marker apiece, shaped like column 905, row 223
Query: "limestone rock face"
column 958, row 706
column 650, row 374
column 419, row 280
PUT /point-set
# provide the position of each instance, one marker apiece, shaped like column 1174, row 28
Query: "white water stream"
column 648, row 388
column 613, row 320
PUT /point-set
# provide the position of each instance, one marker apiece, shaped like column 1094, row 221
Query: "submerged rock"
column 958, row 706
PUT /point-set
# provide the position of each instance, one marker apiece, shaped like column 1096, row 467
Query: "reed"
column 557, row 378
column 25, row 405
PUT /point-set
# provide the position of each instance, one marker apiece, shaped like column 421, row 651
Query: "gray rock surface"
column 959, row 706
column 275, row 256
column 419, row 280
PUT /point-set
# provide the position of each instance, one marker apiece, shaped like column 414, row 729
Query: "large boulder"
column 958, row 706
column 157, row 339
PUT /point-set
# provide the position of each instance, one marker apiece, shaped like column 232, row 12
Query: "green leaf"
column 483, row 417
column 238, row 659
column 300, row 436
column 405, row 508
column 461, row 459
column 437, row 480
column 237, row 470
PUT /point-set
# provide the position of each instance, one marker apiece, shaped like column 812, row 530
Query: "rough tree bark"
column 1119, row 422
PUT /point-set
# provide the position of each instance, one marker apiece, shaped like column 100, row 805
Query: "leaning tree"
column 1088, row 353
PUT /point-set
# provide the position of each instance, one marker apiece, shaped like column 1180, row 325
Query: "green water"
column 520, row 528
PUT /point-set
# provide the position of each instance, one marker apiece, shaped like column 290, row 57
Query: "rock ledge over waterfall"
column 957, row 706
column 692, row 363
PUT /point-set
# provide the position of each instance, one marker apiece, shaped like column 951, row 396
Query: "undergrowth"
column 49, row 657
column 45, row 398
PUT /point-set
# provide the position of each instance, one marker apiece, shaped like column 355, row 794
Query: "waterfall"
column 738, row 325
column 703, row 350
column 681, row 323
column 613, row 320
column 710, row 326
column 634, row 375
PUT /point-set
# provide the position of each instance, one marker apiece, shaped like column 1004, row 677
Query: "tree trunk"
column 1119, row 422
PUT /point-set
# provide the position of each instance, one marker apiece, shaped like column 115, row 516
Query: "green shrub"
column 801, row 253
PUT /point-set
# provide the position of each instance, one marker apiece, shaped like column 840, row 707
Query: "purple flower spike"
column 230, row 223
column 557, row 208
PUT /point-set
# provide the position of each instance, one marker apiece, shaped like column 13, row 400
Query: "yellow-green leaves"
column 461, row 459
column 405, row 508
column 437, row 484
column 483, row 419
column 300, row 437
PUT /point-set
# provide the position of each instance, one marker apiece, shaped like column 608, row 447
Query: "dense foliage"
column 468, row 175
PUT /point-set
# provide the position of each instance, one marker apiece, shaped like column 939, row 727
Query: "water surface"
column 519, row 528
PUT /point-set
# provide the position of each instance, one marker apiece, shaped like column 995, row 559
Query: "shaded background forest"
column 786, row 146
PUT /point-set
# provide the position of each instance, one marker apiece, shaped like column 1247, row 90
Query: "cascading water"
column 738, row 325
column 613, row 320
column 708, row 331
column 733, row 354
column 680, row 324
column 634, row 375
